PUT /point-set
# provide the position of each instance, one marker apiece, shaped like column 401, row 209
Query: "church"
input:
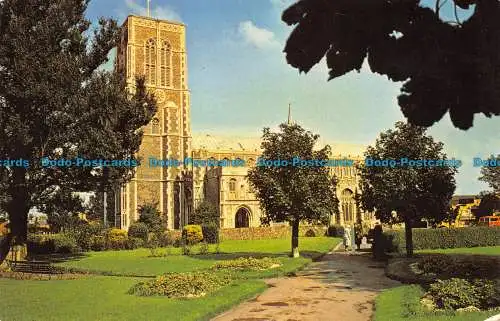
column 156, row 49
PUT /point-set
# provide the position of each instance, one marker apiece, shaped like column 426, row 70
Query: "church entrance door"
column 242, row 218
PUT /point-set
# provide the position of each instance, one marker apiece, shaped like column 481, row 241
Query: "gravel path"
column 342, row 286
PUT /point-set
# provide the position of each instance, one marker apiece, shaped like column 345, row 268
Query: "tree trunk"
column 5, row 247
column 295, row 239
column 408, row 238
column 17, row 208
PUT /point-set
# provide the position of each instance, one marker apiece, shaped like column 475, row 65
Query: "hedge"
column 444, row 238
column 55, row 243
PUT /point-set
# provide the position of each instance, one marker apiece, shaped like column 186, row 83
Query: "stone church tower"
column 156, row 49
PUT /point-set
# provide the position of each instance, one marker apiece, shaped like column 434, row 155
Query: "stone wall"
column 271, row 232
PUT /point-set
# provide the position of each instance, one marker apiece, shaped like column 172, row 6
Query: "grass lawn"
column 104, row 297
column 402, row 304
column 137, row 262
column 487, row 250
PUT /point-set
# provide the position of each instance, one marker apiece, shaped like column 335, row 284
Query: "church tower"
column 156, row 49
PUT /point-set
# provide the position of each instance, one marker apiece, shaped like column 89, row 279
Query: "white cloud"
column 258, row 37
column 160, row 12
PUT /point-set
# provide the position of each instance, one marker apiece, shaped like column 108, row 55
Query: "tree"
column 56, row 103
column 490, row 202
column 294, row 191
column 406, row 192
column 151, row 216
column 62, row 209
column 447, row 66
column 205, row 213
column 491, row 175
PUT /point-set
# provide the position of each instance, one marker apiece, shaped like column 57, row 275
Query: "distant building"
column 465, row 205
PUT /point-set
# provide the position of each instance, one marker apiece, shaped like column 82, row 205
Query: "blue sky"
column 240, row 81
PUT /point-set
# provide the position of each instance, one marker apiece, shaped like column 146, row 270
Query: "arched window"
column 166, row 64
column 347, row 200
column 232, row 185
column 155, row 126
column 150, row 62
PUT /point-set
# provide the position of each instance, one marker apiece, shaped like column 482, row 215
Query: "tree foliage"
column 56, row 103
column 62, row 209
column 446, row 67
column 205, row 214
column 491, row 175
column 293, row 193
column 407, row 193
column 490, row 202
column 151, row 216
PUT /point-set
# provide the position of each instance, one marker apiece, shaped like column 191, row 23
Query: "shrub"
column 205, row 214
column 458, row 293
column 133, row 243
column 249, row 263
column 441, row 238
column 151, row 216
column 204, row 248
column 186, row 249
column 181, row 285
column 48, row 244
column 173, row 238
column 138, row 230
column 192, row 234
column 153, row 240
column 97, row 243
column 83, row 234
column 210, row 233
column 310, row 233
column 335, row 231
column 165, row 239
column 116, row 239
column 65, row 243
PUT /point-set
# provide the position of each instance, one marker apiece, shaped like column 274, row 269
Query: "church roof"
column 214, row 142
column 220, row 142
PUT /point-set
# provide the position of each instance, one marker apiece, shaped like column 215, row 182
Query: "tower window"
column 166, row 64
column 232, row 185
column 155, row 126
column 150, row 62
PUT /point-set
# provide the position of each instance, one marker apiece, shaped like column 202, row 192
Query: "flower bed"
column 181, row 285
column 249, row 263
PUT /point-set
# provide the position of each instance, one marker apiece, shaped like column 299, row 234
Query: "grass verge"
column 403, row 304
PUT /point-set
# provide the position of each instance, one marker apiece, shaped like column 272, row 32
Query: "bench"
column 41, row 267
